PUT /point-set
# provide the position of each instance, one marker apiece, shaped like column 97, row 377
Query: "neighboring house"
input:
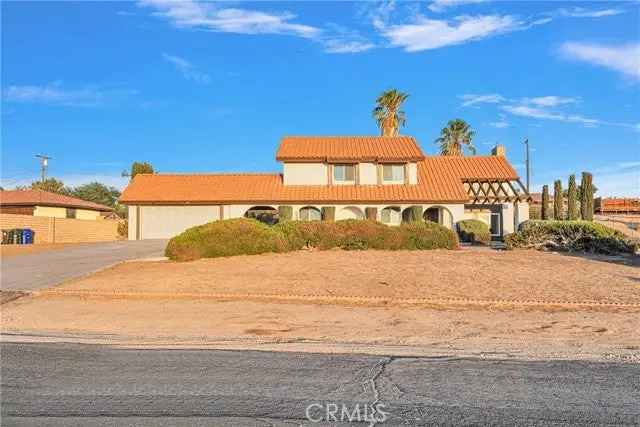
column 349, row 173
column 43, row 203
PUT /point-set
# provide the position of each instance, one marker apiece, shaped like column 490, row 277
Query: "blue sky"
column 205, row 87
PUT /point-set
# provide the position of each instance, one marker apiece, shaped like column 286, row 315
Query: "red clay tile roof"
column 349, row 148
column 439, row 180
column 44, row 198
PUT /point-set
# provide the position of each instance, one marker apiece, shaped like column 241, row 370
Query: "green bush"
column 427, row 235
column 247, row 236
column 285, row 213
column 226, row 238
column 571, row 236
column 474, row 231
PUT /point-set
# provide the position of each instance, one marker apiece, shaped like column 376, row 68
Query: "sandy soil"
column 471, row 273
column 515, row 330
column 7, row 251
column 528, row 334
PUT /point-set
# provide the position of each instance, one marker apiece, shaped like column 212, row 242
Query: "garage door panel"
column 163, row 222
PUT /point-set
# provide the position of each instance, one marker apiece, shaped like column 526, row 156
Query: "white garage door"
column 163, row 222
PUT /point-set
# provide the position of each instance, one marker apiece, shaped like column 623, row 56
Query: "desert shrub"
column 285, row 213
column 427, row 235
column 123, row 228
column 226, row 238
column 474, row 231
column 248, row 237
column 328, row 213
column 571, row 236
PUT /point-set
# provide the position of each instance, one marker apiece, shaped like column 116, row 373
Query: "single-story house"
column 388, row 175
column 44, row 203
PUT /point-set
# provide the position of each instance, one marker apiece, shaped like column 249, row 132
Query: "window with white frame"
column 344, row 173
column 393, row 173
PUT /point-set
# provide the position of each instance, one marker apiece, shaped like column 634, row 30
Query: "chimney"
column 498, row 150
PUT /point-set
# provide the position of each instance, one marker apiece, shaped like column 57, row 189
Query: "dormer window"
column 344, row 174
column 393, row 173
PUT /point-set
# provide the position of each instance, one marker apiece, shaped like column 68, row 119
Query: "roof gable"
column 349, row 148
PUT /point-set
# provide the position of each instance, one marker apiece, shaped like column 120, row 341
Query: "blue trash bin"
column 27, row 236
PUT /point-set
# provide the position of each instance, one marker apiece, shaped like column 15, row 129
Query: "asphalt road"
column 47, row 268
column 70, row 384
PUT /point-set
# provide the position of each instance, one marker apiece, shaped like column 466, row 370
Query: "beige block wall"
column 62, row 230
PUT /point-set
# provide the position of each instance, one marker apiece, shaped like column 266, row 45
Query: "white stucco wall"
column 412, row 169
column 368, row 174
column 305, row 174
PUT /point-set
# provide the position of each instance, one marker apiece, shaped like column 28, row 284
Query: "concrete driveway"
column 43, row 269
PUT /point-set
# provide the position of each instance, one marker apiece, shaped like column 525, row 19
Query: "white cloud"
column 550, row 101
column 622, row 58
column 187, row 69
column 579, row 12
column 500, row 125
column 208, row 16
column 440, row 5
column 346, row 46
column 426, row 33
column 473, row 99
column 534, row 112
column 55, row 94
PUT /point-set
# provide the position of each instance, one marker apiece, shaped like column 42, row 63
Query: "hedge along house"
column 388, row 179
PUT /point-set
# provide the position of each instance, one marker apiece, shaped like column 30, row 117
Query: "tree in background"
column 586, row 196
column 557, row 200
column 139, row 167
column 572, row 199
column 97, row 192
column 456, row 136
column 545, row 202
column 387, row 112
column 51, row 185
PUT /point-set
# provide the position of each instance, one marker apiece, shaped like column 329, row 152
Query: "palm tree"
column 387, row 112
column 454, row 137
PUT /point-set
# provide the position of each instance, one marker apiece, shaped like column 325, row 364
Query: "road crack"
column 375, row 374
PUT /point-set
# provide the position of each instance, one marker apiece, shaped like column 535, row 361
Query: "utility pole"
column 526, row 143
column 44, row 162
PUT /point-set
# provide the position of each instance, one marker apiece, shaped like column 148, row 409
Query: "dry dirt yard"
column 424, row 302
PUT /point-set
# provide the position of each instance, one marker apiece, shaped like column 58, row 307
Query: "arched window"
column 350, row 212
column 265, row 214
column 309, row 213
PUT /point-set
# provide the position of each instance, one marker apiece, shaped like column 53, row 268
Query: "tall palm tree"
column 454, row 137
column 387, row 112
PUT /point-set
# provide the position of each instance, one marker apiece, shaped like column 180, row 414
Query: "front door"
column 496, row 224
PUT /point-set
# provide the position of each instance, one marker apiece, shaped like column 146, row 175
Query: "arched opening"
column 412, row 214
column 439, row 215
column 350, row 212
column 264, row 214
column 309, row 213
column 391, row 215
